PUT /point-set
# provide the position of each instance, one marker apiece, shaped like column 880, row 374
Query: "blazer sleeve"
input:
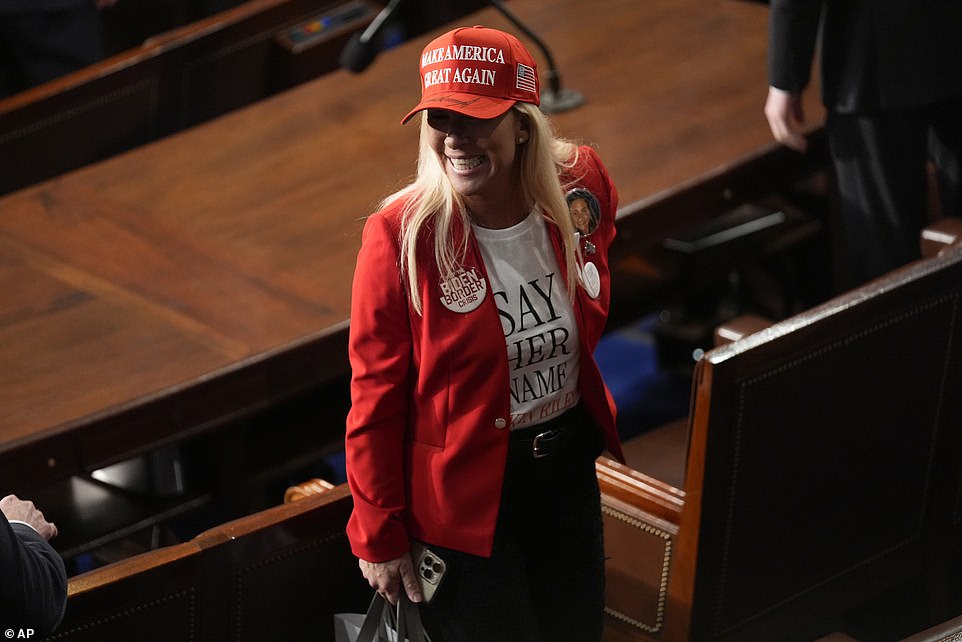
column 605, row 233
column 792, row 33
column 380, row 351
column 33, row 580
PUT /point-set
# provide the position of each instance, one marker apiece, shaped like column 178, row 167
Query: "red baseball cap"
column 476, row 71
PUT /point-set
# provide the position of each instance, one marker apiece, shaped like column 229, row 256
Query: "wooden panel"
column 154, row 596
column 638, row 551
column 641, row 516
column 291, row 569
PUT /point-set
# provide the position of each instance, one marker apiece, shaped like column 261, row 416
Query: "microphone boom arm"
column 555, row 99
column 379, row 19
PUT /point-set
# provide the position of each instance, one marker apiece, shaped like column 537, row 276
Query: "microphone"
column 361, row 49
column 554, row 98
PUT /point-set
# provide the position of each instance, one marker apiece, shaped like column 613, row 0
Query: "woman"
column 478, row 409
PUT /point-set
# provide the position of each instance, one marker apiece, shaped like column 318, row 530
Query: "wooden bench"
column 934, row 239
column 685, row 240
column 173, row 81
column 815, row 451
column 279, row 574
column 290, row 569
column 152, row 596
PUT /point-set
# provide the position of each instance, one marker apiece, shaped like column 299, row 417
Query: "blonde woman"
column 477, row 407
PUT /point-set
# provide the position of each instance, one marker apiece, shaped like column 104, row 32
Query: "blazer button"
column 500, row 423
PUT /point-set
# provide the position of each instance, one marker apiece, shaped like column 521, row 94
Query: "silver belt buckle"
column 536, row 447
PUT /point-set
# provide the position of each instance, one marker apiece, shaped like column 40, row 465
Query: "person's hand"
column 387, row 578
column 785, row 115
column 24, row 511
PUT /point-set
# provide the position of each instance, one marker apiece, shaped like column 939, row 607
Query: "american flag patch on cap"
column 526, row 78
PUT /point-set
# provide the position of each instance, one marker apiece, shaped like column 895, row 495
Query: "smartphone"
column 429, row 567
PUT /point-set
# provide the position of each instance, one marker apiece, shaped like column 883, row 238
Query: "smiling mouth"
column 466, row 164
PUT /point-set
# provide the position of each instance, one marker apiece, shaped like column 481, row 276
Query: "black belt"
column 544, row 439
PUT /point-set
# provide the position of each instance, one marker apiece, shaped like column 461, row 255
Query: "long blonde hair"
column 431, row 199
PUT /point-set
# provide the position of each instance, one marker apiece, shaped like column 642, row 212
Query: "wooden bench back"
column 279, row 574
column 821, row 450
column 153, row 596
column 290, row 569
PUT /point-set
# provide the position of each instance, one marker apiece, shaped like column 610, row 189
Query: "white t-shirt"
column 537, row 318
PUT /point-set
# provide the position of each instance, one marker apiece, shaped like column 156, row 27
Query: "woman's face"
column 480, row 157
column 581, row 215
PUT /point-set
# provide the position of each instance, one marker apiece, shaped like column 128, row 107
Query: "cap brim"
column 468, row 104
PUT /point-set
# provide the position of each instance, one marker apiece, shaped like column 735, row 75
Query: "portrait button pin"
column 500, row 423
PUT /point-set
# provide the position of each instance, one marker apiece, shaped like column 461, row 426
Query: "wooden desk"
column 159, row 293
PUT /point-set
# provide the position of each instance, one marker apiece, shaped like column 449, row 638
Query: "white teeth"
column 465, row 164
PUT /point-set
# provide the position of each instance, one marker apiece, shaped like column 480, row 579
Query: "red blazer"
column 427, row 433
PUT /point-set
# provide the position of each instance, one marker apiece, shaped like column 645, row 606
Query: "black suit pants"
column 545, row 579
column 881, row 164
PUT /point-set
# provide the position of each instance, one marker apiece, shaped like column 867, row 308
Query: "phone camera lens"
column 428, row 574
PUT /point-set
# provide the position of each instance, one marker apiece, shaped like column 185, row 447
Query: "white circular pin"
column 463, row 291
column 591, row 280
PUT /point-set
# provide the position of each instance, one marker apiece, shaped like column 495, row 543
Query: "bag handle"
column 372, row 620
column 409, row 615
column 380, row 618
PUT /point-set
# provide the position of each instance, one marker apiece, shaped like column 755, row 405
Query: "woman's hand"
column 388, row 577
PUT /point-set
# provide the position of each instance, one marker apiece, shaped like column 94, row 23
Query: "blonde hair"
column 430, row 199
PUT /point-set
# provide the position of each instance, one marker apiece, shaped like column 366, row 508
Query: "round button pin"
column 591, row 280
column 463, row 291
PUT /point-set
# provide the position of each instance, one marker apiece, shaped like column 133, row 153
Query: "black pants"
column 880, row 161
column 37, row 46
column 545, row 578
